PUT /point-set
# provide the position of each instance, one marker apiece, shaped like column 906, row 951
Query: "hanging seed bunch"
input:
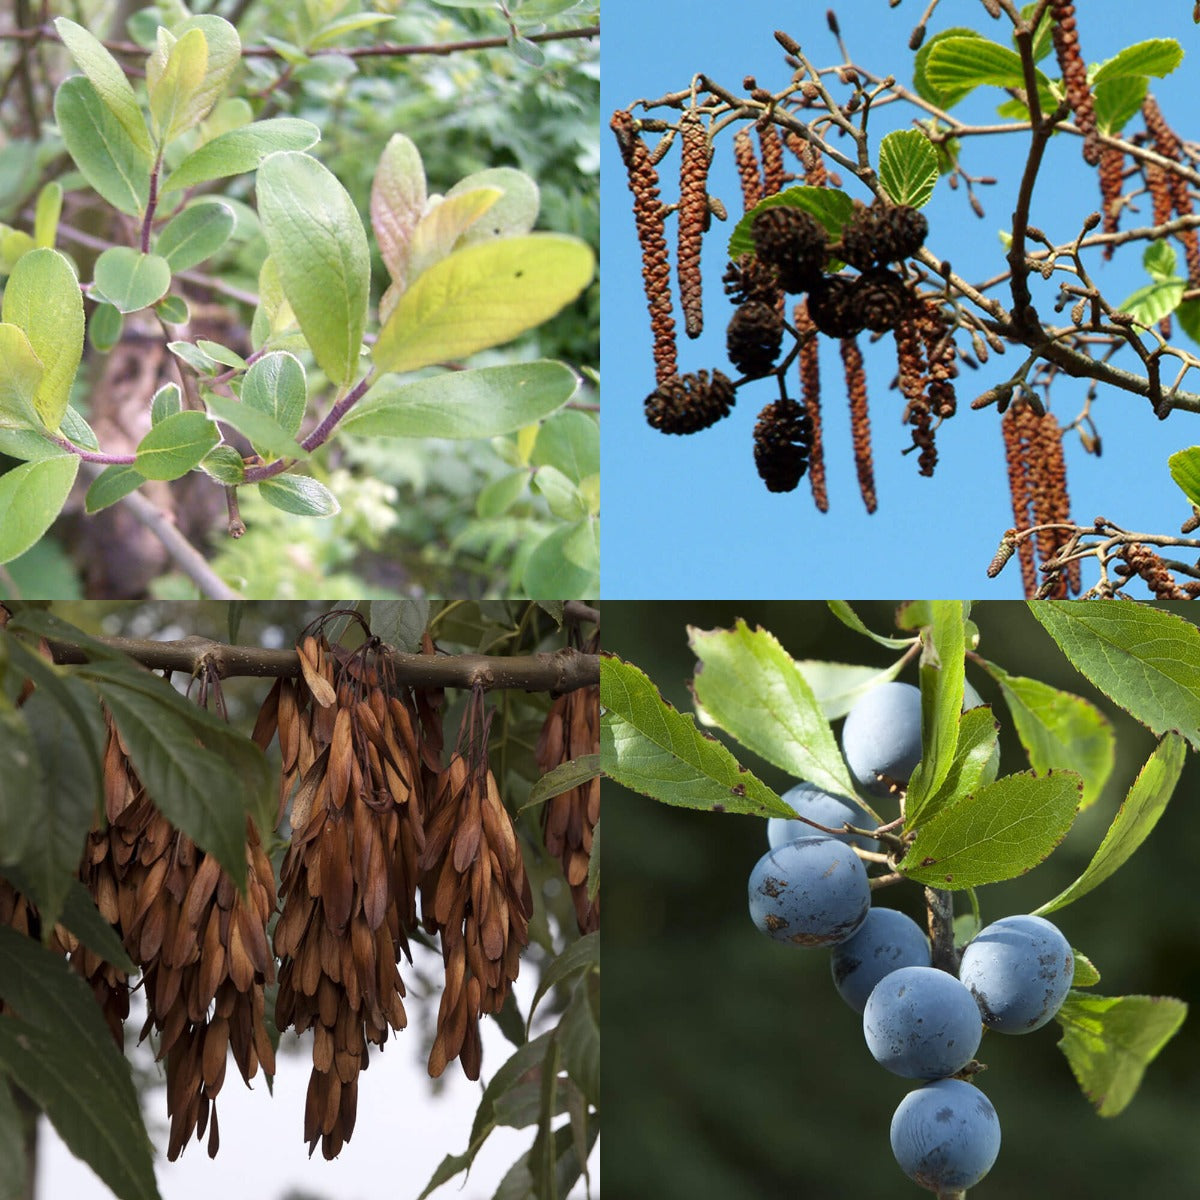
column 689, row 403
column 746, row 161
column 572, row 728
column 1112, row 180
column 781, row 444
column 1167, row 143
column 860, row 420
column 202, row 946
column 693, row 218
column 474, row 894
column 1075, row 80
column 810, row 390
column 348, row 882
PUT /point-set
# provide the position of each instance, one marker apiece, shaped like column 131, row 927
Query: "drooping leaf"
column 833, row 208
column 194, row 234
column 580, row 956
column 264, row 432
column 837, row 686
column 648, row 746
column 300, row 494
column 397, row 202
column 115, row 166
column 42, row 296
column 319, row 247
column 174, row 90
column 20, row 374
column 579, row 1036
column 852, row 620
column 175, row 445
column 1145, row 659
column 1059, row 730
column 997, row 832
column 130, row 280
column 31, row 496
column 1111, row 1040
column 908, row 167
column 480, row 296
column 14, row 1175
column 112, row 484
column 464, row 404
column 47, row 213
column 241, row 150
column 563, row 778
column 1134, row 821
column 275, row 385
column 513, row 214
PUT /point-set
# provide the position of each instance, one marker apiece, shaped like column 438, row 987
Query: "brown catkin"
column 772, row 156
column 693, row 215
column 810, row 390
column 860, row 420
column 1142, row 561
column 1075, row 80
column 747, row 168
column 1016, row 456
column 1112, row 165
column 1167, row 143
column 648, row 217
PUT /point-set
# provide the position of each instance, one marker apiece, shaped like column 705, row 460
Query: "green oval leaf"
column 481, row 296
column 275, row 385
column 464, row 404
column 259, row 426
column 129, row 280
column 31, row 496
column 833, row 208
column 47, row 213
column 908, row 167
column 241, row 150
column 166, row 402
column 564, row 563
column 224, row 464
column 513, row 214
column 115, row 166
column 20, row 374
column 300, row 494
column 104, row 328
column 173, row 310
column 570, row 441
column 112, row 484
column 319, row 247
column 42, row 296
column 497, row 497
column 194, row 234
column 175, row 445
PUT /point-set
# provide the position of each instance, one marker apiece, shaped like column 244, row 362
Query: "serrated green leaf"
column 319, row 247
column 1159, row 260
column 648, row 746
column 1159, row 56
column 1060, row 730
column 479, row 403
column 1185, row 470
column 1134, row 821
column 46, row 214
column 111, row 162
column 300, row 494
column 275, row 385
column 31, row 497
column 945, row 98
column 852, row 620
column 1149, row 304
column 565, row 564
column 1145, row 659
column 175, row 445
column 563, row 778
column 20, row 375
column 1117, row 101
column 513, row 214
column 1111, row 1040
column 908, row 167
column 1085, row 974
column 957, row 65
column 130, row 280
column 400, row 623
column 833, row 208
column 42, row 296
column 112, row 484
column 194, row 234
column 480, row 296
column 259, row 426
column 104, row 329
column 997, row 832
column 241, row 150
column 20, row 787
column 837, row 686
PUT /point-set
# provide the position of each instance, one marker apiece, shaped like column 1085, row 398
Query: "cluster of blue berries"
column 919, row 1022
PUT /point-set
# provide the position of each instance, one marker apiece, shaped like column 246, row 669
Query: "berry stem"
column 940, row 906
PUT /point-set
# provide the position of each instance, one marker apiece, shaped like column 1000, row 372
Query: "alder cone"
column 753, row 338
column 781, row 444
column 689, row 403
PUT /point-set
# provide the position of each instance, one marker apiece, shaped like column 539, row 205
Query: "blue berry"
column 882, row 736
column 886, row 941
column 826, row 809
column 946, row 1135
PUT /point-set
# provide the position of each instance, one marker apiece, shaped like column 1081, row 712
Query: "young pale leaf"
column 650, row 747
column 397, row 203
column 259, row 426
column 852, row 620
column 1149, row 304
column 224, row 52
column 750, row 686
column 943, row 97
column 1134, row 821
column 441, row 227
column 275, row 385
column 107, row 77
column 46, row 214
column 1111, row 1040
column 464, row 404
column 319, row 247
column 175, row 445
column 831, row 207
column 241, row 150
column 1144, row 659
column 565, row 563
column 112, row 484
column 1085, row 974
column 110, row 160
column 77, row 431
column 1118, row 100
column 1159, row 260
column 1058, row 729
column 221, row 354
column 997, row 832
column 299, row 494
column 130, row 280
column 31, row 496
column 481, row 296
column 20, row 374
column 1185, row 470
column 837, row 686
column 173, row 92
column 42, row 296
column 908, row 167
column 960, row 64
column 513, row 214
column 195, row 234
column 1159, row 56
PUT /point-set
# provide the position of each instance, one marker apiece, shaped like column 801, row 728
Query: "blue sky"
column 688, row 516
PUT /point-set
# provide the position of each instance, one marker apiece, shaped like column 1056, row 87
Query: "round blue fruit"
column 946, row 1135
column 921, row 1023
column 812, row 891
column 886, row 941
column 824, row 808
column 1019, row 970
column 882, row 737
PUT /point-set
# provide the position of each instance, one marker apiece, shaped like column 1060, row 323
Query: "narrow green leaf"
column 479, row 403
column 81, row 916
column 971, row 767
column 1149, row 304
column 593, row 879
column 1134, row 821
column 194, row 357
column 42, row 296
column 943, row 97
column 14, row 1177
column 224, row 355
column 580, row 956
column 1145, row 659
column 852, row 620
column 1159, row 56
column 45, row 218
column 260, row 427
column 398, row 201
column 519, row 1183
column 542, row 1155
column 241, row 150
column 1111, row 1040
column 513, row 214
column 1185, row 470
column 833, row 208
column 1059, row 730
column 579, row 1037
column 480, row 296
column 112, row 484
column 648, row 746
column 20, row 375
column 998, row 832
column 194, row 234
column 319, row 247
column 565, row 563
column 111, row 162
column 108, row 79
column 77, row 431
column 31, row 497
column 173, row 92
column 275, row 385
column 20, row 787
column 299, row 494
column 908, row 167
column 563, row 778
column 176, row 445
column 750, row 687
column 104, row 329
column 351, row 23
